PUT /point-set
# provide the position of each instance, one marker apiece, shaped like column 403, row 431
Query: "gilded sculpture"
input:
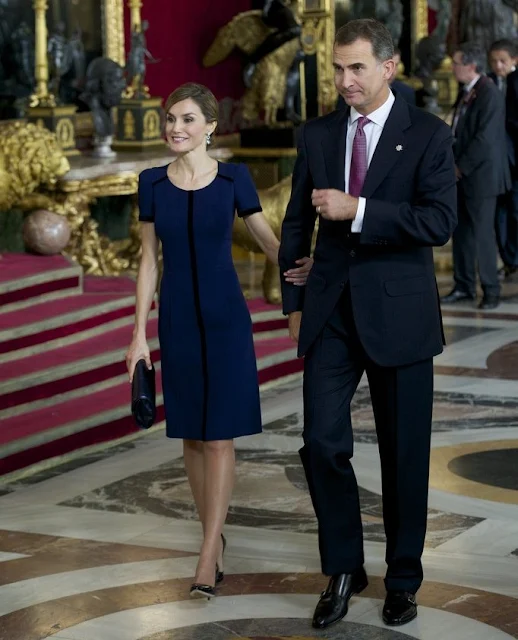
column 31, row 165
column 31, row 160
column 268, row 84
column 274, row 202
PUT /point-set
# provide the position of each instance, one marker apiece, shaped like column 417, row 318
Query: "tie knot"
column 362, row 121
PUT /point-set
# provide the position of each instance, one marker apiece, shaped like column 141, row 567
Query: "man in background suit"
column 381, row 176
column 502, row 60
column 482, row 166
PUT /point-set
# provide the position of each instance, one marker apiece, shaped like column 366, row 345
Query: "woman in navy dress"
column 209, row 373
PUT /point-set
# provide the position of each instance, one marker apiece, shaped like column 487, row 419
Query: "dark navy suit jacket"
column 410, row 190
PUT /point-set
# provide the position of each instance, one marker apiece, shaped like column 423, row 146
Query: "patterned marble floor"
column 103, row 547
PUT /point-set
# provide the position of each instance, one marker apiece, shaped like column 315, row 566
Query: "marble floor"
column 103, row 546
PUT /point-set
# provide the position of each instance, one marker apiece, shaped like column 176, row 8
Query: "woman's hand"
column 299, row 276
column 137, row 350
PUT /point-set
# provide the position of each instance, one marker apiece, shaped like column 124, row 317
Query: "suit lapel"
column 389, row 148
column 333, row 147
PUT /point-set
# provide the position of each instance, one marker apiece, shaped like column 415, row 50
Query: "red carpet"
column 63, row 337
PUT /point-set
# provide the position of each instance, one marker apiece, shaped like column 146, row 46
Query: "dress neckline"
column 191, row 190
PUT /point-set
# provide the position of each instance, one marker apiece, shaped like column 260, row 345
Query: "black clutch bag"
column 143, row 400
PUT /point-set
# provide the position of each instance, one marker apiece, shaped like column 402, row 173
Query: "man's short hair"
column 505, row 45
column 473, row 53
column 370, row 30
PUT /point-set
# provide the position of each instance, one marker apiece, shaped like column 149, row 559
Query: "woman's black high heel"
column 220, row 574
column 205, row 590
column 202, row 591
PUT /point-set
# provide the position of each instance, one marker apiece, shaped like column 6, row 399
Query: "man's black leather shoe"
column 489, row 302
column 400, row 607
column 334, row 601
column 456, row 295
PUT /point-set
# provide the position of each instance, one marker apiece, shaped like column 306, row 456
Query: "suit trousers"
column 474, row 243
column 402, row 400
column 507, row 225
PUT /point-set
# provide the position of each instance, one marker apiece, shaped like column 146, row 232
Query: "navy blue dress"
column 209, row 371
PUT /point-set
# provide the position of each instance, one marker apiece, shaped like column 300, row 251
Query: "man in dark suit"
column 502, row 60
column 380, row 174
column 482, row 167
column 509, row 228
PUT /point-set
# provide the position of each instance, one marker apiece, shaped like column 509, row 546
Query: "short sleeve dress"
column 209, row 371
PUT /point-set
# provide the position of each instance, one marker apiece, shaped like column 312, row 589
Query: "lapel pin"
column 399, row 147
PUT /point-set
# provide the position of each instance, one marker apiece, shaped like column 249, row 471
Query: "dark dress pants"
column 474, row 243
column 507, row 225
column 402, row 401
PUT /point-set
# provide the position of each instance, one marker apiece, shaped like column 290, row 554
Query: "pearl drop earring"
column 207, row 138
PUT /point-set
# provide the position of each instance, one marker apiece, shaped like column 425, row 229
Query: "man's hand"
column 458, row 174
column 299, row 275
column 333, row 204
column 294, row 319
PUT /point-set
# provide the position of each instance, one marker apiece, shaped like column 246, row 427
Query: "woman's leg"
column 219, row 471
column 194, row 466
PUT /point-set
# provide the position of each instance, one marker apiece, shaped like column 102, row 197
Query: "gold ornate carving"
column 129, row 125
column 151, row 125
column 32, row 158
column 31, row 164
column 113, row 30
column 267, row 93
column 65, row 132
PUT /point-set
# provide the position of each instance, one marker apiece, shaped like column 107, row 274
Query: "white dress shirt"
column 373, row 131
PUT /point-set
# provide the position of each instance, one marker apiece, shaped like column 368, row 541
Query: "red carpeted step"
column 117, row 339
column 106, row 432
column 68, row 412
column 258, row 305
column 40, row 312
column 67, row 383
column 18, row 266
column 272, row 346
column 24, row 277
column 58, row 319
column 109, row 284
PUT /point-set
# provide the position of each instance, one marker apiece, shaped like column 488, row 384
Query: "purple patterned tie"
column 358, row 159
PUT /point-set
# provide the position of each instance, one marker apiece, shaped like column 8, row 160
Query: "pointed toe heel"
column 202, row 591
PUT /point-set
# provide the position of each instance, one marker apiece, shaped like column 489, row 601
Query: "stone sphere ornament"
column 45, row 233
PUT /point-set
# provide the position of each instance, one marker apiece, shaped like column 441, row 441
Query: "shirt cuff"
column 357, row 223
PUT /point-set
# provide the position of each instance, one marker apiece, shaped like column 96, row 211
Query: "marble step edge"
column 59, row 321
column 36, row 349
